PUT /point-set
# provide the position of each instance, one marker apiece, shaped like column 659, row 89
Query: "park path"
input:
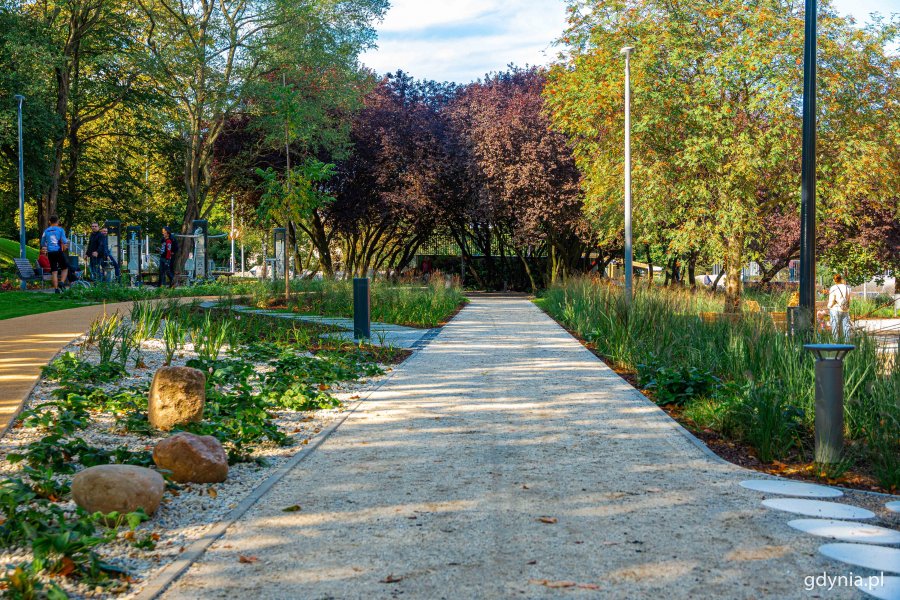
column 30, row 342
column 504, row 460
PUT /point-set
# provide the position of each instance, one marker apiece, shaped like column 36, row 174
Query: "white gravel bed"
column 185, row 514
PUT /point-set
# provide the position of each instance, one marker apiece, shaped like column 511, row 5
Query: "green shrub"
column 677, row 385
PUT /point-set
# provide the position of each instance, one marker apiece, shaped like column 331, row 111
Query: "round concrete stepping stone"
column 886, row 589
column 791, row 488
column 818, row 508
column 876, row 558
column 893, row 506
column 847, row 531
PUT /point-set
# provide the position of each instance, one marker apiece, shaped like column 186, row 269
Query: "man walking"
column 93, row 251
column 839, row 306
column 55, row 242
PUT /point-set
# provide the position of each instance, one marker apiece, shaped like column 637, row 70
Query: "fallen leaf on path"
column 552, row 584
column 67, row 566
column 392, row 578
column 247, row 559
column 292, row 508
column 563, row 584
column 550, row 520
column 212, row 492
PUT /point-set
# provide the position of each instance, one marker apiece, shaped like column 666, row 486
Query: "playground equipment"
column 133, row 246
column 278, row 242
column 198, row 267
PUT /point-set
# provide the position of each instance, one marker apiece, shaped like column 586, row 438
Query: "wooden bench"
column 27, row 272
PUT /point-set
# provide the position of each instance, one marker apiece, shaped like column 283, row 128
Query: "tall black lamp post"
column 808, row 173
column 20, row 99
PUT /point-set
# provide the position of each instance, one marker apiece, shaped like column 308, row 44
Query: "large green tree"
column 716, row 113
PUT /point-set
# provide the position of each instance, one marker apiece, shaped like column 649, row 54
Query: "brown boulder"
column 192, row 458
column 120, row 488
column 177, row 396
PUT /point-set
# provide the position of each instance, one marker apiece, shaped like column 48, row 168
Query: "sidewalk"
column 30, row 342
column 504, row 460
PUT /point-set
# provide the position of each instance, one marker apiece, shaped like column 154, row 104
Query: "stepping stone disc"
column 791, row 488
column 818, row 508
column 847, row 531
column 889, row 589
column 893, row 506
column 876, row 558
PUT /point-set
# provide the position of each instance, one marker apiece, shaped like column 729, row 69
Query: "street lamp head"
column 19, row 97
column 627, row 50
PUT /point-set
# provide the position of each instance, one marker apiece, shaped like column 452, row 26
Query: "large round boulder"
column 192, row 458
column 120, row 488
column 177, row 396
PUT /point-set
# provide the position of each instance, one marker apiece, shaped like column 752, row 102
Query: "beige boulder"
column 177, row 396
column 120, row 488
column 192, row 458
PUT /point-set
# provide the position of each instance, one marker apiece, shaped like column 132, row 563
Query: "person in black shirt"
column 93, row 251
column 167, row 252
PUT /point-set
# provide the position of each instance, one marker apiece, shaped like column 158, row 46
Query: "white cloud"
column 461, row 40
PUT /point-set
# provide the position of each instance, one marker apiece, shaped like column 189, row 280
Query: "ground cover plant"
column 427, row 305
column 267, row 380
column 742, row 378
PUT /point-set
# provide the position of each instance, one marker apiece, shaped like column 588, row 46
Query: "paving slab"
column 503, row 460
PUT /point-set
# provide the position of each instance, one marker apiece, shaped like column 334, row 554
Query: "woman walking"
column 839, row 306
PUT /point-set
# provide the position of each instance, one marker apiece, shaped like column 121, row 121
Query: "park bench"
column 27, row 272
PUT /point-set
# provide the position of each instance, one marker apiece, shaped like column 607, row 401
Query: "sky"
column 461, row 40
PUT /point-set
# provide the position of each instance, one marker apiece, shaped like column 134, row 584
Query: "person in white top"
column 839, row 307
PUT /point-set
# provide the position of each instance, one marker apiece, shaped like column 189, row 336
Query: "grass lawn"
column 9, row 250
column 18, row 303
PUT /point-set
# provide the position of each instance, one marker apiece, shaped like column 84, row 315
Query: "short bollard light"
column 362, row 324
column 829, row 399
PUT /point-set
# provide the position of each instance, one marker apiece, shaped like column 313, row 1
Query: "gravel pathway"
column 504, row 460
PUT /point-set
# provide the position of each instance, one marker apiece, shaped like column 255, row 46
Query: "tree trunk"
column 715, row 283
column 649, row 265
column 733, row 284
column 692, row 266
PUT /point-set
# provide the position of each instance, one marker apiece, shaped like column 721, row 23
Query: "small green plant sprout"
column 103, row 335
column 173, row 338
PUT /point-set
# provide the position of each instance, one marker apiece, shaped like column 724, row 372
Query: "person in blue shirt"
column 55, row 242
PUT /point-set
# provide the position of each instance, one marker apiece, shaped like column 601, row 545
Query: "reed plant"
column 209, row 336
column 173, row 338
column 103, row 334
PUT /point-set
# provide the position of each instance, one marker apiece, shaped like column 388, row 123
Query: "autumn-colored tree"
column 527, row 195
